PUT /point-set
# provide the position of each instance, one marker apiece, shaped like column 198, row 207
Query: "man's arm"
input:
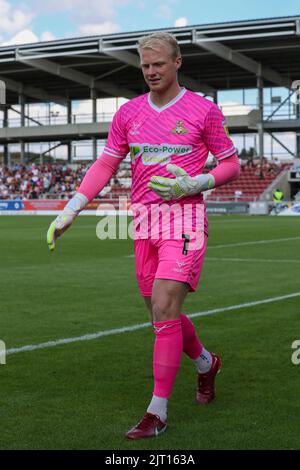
column 95, row 179
column 184, row 185
column 228, row 170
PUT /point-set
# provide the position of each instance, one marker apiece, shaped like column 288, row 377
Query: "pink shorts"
column 168, row 259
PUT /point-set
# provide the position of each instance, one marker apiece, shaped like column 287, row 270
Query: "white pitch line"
column 231, row 245
column 256, row 242
column 245, row 305
column 139, row 326
column 254, row 260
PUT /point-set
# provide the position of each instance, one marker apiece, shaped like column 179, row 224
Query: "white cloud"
column 12, row 20
column 25, row 36
column 182, row 21
column 47, row 36
column 91, row 18
column 84, row 12
column 107, row 27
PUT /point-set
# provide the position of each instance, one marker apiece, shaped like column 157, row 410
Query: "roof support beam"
column 119, row 54
column 282, row 145
column 196, row 85
column 133, row 60
column 75, row 76
column 33, row 92
column 240, row 59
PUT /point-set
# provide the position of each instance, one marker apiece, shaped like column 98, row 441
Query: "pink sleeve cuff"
column 227, row 170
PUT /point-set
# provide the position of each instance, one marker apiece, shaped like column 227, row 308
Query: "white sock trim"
column 159, row 406
column 204, row 361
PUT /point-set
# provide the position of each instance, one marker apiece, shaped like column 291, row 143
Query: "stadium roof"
column 216, row 56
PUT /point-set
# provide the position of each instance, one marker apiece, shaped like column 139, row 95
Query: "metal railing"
column 57, row 119
column 286, row 111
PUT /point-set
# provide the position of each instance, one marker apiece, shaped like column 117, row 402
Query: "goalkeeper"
column 169, row 133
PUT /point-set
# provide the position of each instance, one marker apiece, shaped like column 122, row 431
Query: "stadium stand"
column 253, row 181
column 54, row 181
column 60, row 181
column 36, row 182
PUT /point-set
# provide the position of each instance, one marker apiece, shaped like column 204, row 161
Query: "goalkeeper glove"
column 65, row 219
column 181, row 186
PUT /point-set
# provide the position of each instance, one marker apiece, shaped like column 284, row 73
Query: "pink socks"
column 171, row 338
column 166, row 356
column 191, row 344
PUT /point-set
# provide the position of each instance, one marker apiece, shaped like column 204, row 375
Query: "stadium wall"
column 55, row 206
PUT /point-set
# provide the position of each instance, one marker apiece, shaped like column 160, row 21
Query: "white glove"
column 181, row 186
column 65, row 219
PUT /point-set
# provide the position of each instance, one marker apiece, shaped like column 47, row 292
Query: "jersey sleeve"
column 117, row 144
column 216, row 135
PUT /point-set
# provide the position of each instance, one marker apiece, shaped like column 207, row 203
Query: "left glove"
column 182, row 185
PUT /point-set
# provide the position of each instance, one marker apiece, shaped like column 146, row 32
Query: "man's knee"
column 163, row 308
column 167, row 299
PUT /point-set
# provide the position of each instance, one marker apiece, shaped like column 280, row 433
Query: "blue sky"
column 32, row 20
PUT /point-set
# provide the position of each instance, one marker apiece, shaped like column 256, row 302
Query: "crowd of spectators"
column 262, row 167
column 60, row 181
column 40, row 181
column 50, row 181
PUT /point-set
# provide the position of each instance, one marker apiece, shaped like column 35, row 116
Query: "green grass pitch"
column 86, row 394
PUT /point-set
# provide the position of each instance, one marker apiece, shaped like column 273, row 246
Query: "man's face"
column 159, row 68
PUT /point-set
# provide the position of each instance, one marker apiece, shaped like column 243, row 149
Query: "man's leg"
column 208, row 363
column 192, row 345
column 183, row 261
column 167, row 299
column 177, row 270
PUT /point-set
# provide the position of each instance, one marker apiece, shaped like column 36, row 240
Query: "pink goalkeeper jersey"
column 182, row 132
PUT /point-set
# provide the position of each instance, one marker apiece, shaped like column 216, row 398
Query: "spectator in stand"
column 260, row 171
column 250, row 162
column 46, row 182
column 243, row 163
column 237, row 194
column 274, row 167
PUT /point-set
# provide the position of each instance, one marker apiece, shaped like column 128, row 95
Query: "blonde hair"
column 156, row 40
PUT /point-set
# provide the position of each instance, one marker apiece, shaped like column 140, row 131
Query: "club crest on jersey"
column 179, row 128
